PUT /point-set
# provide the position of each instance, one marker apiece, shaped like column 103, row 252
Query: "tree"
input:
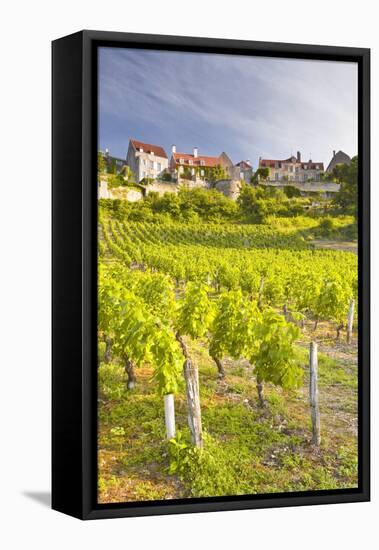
column 100, row 162
column 290, row 191
column 347, row 176
column 260, row 174
column 251, row 203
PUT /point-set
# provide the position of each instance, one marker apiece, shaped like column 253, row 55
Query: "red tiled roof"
column 148, row 148
column 209, row 162
column 270, row 163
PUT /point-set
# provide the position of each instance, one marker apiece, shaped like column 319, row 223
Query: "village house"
column 245, row 170
column 146, row 160
column 292, row 169
column 195, row 166
column 338, row 158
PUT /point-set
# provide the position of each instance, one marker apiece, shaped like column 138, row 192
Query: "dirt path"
column 346, row 246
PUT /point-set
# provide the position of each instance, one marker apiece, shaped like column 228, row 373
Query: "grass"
column 248, row 449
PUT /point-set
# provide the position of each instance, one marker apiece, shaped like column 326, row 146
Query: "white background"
column 26, row 31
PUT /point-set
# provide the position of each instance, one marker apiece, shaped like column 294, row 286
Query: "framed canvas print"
column 210, row 274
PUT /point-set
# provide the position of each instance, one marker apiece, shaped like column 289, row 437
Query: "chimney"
column 195, row 152
column 298, row 156
column 334, row 154
column 173, row 149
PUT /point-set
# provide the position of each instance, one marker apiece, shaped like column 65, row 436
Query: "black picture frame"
column 74, row 295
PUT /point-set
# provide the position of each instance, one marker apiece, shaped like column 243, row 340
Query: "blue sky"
column 245, row 106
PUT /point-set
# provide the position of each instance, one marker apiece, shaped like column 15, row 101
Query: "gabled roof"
column 149, row 148
column 244, row 164
column 338, row 158
column 200, row 160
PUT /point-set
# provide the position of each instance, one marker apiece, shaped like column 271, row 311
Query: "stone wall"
column 229, row 188
column 161, row 188
column 124, row 193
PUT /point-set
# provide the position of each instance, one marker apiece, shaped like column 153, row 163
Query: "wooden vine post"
column 350, row 321
column 169, row 413
column 191, row 377
column 107, row 354
column 313, row 394
column 130, row 371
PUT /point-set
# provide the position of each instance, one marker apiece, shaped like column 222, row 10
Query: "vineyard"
column 227, row 360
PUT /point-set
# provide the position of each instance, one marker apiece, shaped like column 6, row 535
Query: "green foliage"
column 195, row 312
column 256, row 203
column 217, row 173
column 209, row 471
column 208, row 204
column 260, row 174
column 290, row 191
column 233, row 331
column 166, row 176
column 158, row 275
column 116, row 180
column 347, row 176
column 326, row 227
column 100, row 162
column 275, row 358
column 137, row 332
column 147, row 181
column 333, row 300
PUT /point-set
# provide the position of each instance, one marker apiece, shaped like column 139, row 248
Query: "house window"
column 202, row 163
column 181, row 161
column 190, row 161
column 159, row 166
column 151, row 164
column 276, row 176
column 202, row 173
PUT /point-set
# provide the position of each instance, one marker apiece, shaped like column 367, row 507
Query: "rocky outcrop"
column 229, row 188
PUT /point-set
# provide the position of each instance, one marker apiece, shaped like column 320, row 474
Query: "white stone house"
column 146, row 160
column 292, row 169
